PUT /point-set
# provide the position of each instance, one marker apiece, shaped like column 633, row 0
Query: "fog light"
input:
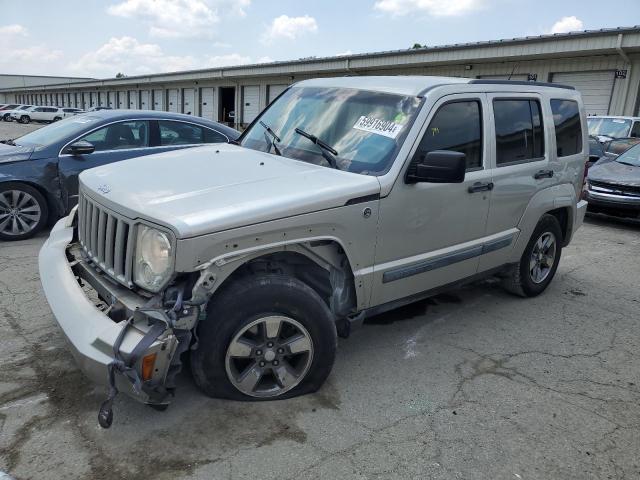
column 148, row 362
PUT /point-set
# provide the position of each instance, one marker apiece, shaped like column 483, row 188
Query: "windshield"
column 56, row 132
column 630, row 157
column 609, row 127
column 363, row 129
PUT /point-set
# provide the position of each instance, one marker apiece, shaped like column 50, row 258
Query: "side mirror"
column 440, row 166
column 81, row 148
column 594, row 158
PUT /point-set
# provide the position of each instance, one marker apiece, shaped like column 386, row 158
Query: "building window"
column 519, row 131
column 566, row 118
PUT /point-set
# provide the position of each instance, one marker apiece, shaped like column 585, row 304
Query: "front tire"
column 265, row 337
column 25, row 119
column 57, row 119
column 539, row 261
column 23, row 211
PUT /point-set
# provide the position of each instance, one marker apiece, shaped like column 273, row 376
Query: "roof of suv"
column 413, row 85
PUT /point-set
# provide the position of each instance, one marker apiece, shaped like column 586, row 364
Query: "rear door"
column 522, row 165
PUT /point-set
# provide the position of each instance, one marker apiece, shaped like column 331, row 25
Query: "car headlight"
column 154, row 253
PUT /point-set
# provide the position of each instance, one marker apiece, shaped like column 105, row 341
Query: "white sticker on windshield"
column 385, row 128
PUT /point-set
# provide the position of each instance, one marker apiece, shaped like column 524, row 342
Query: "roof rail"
column 485, row 81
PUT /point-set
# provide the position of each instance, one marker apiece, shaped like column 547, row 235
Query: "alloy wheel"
column 20, row 212
column 543, row 256
column 269, row 356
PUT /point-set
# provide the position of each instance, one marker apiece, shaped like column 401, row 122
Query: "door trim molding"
column 444, row 260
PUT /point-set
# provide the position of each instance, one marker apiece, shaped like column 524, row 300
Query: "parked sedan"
column 39, row 171
column 613, row 185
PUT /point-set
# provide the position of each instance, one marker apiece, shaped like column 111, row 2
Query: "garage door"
column 122, row 100
column 158, row 99
column 206, row 103
column 250, row 103
column 144, row 100
column 133, row 99
column 595, row 87
column 173, row 100
column 102, row 99
column 189, row 101
column 274, row 91
column 111, row 99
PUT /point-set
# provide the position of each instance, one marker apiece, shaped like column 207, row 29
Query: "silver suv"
column 347, row 197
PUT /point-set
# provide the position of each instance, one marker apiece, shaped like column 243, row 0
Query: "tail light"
column 584, row 180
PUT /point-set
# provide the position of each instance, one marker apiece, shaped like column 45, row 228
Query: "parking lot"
column 474, row 383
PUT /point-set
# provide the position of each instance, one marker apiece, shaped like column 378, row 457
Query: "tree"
column 120, row 75
column 417, row 45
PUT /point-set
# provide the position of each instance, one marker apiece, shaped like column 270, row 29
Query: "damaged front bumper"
column 93, row 318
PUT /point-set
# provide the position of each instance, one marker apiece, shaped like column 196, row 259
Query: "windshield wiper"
column 274, row 138
column 626, row 163
column 326, row 150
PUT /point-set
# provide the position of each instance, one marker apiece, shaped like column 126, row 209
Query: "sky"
column 100, row 38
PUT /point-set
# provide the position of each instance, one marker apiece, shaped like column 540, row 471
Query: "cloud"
column 13, row 30
column 226, row 60
column 20, row 57
column 290, row 28
column 567, row 24
column 178, row 18
column 437, row 8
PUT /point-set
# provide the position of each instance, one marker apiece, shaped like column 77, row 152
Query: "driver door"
column 114, row 142
column 431, row 234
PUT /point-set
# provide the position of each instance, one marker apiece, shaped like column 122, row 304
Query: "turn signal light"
column 148, row 362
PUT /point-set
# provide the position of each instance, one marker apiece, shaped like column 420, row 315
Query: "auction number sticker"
column 385, row 128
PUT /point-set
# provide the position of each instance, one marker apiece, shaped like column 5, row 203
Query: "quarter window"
column 566, row 118
column 519, row 132
column 456, row 126
column 180, row 133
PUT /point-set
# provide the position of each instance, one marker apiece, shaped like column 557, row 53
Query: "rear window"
column 566, row 118
column 519, row 132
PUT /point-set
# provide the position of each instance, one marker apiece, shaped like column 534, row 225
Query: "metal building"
column 602, row 64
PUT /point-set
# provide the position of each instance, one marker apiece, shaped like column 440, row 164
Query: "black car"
column 39, row 171
column 613, row 185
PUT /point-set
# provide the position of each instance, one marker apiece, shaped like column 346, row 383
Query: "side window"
column 120, row 136
column 180, row 133
column 519, row 131
column 635, row 131
column 456, row 126
column 566, row 118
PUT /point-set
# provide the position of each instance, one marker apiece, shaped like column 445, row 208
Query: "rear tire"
column 23, row 211
column 265, row 337
column 6, row 117
column 539, row 261
column 25, row 119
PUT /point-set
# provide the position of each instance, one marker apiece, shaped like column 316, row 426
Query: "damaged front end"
column 128, row 340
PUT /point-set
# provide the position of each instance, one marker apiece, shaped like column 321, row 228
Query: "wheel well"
column 335, row 285
column 562, row 215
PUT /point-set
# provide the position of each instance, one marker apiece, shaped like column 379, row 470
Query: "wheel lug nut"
column 275, row 362
column 258, row 352
column 270, row 344
column 281, row 350
column 262, row 364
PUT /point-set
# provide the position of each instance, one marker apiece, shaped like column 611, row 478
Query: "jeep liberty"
column 345, row 198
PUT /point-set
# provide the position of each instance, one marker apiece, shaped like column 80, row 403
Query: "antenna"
column 513, row 70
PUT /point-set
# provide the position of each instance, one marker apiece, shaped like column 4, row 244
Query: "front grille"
column 107, row 239
column 616, row 189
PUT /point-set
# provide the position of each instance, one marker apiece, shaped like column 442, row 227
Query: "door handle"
column 543, row 174
column 480, row 187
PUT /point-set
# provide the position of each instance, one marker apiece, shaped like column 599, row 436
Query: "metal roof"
column 477, row 51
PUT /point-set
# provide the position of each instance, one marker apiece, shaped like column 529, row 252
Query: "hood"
column 616, row 173
column 11, row 153
column 208, row 189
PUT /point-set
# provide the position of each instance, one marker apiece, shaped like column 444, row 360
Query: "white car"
column 6, row 114
column 38, row 114
column 70, row 112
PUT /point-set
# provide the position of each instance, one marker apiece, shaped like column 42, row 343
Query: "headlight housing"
column 153, row 263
